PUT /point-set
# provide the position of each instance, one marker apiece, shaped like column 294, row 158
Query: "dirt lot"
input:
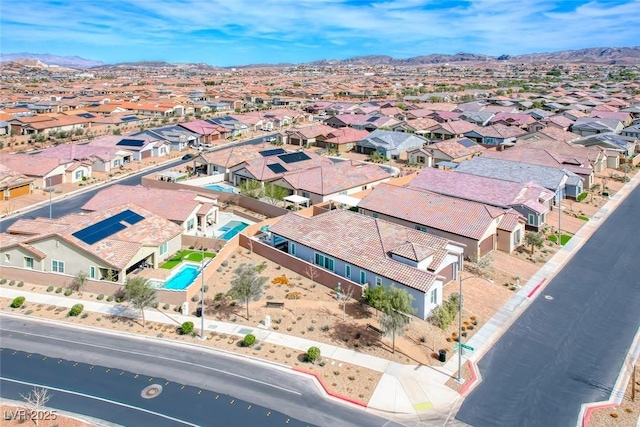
column 625, row 415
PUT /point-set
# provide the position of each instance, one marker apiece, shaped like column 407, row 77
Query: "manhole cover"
column 152, row 391
column 549, row 297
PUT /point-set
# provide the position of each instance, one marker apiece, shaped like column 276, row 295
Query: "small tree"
column 35, row 401
column 79, row 281
column 534, row 240
column 247, row 285
column 594, row 188
column 485, row 265
column 346, row 297
column 375, row 297
column 312, row 271
column 274, row 193
column 396, row 304
column 140, row 294
column 251, row 188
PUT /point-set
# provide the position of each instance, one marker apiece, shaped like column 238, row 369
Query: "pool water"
column 217, row 187
column 232, row 228
column 183, row 278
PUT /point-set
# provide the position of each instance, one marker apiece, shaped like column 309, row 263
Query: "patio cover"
column 172, row 176
column 297, row 200
column 345, row 200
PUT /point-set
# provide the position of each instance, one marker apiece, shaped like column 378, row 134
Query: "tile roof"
column 457, row 216
column 510, row 221
column 537, row 156
column 265, row 169
column 174, row 205
column 11, row 179
column 365, row 242
column 233, row 156
column 117, row 249
column 30, row 165
column 333, row 178
column 490, row 191
column 457, row 148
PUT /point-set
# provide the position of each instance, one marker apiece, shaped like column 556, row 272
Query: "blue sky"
column 235, row 32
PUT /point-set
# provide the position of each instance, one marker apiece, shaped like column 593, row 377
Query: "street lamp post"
column 459, row 376
column 50, row 208
column 202, row 288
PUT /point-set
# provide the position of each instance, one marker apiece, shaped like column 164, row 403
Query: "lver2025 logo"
column 29, row 414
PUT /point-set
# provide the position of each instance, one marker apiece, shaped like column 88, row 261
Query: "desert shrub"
column 67, row 292
column 313, row 355
column 325, row 328
column 311, row 328
column 84, row 315
column 76, row 310
column 20, row 284
column 195, row 298
column 17, row 302
column 582, row 196
column 12, row 282
column 186, row 328
column 225, row 263
column 49, row 288
column 166, row 306
column 249, row 340
column 100, row 297
column 280, row 280
column 3, row 281
column 444, row 314
column 110, row 298
column 205, row 288
column 261, row 267
column 218, row 296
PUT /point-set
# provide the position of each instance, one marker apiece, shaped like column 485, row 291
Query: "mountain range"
column 602, row 55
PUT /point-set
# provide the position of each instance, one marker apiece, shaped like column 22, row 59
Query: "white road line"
column 158, row 357
column 112, row 402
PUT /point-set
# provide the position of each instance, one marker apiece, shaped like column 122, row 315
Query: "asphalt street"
column 569, row 346
column 102, row 375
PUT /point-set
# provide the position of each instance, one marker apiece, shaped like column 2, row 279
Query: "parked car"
column 188, row 156
column 207, row 145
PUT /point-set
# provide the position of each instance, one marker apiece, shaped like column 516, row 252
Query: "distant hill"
column 603, row 55
column 61, row 61
column 157, row 64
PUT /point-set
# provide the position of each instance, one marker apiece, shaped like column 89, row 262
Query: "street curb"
column 146, row 337
column 473, row 382
column 618, row 391
column 327, row 390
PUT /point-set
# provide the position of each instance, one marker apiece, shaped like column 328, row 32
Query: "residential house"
column 45, row 172
column 232, row 127
column 454, row 150
column 595, row 155
column 587, row 126
column 472, row 224
column 373, row 252
column 13, row 184
column 496, row 134
column 207, row 132
column 366, row 122
column 178, row 137
column 420, row 156
column 141, row 146
column 389, row 144
column 224, row 159
column 189, row 209
column 322, row 183
column 631, row 131
column 581, row 166
column 521, row 120
column 530, row 200
column 616, row 147
column 562, row 182
column 307, row 136
column 106, row 245
column 342, row 140
column 269, row 168
column 417, row 126
column 102, row 158
column 449, row 130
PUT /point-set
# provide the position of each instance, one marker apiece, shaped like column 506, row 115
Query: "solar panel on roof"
column 86, row 116
column 467, row 143
column 276, row 168
column 372, row 119
column 107, row 227
column 298, row 156
column 273, row 152
column 131, row 142
column 129, row 119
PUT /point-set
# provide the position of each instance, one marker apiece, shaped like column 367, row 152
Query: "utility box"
column 185, row 308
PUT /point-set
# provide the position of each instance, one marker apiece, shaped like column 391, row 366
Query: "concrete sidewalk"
column 403, row 390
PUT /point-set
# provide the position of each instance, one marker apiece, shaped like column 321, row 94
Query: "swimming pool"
column 183, row 278
column 232, row 228
column 222, row 188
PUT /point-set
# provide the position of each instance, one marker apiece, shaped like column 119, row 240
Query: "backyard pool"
column 217, row 187
column 230, row 229
column 183, row 278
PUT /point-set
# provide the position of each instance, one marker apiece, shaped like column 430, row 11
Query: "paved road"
column 568, row 347
column 199, row 387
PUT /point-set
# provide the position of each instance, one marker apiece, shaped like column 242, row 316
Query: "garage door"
column 54, row 180
column 145, row 154
column 295, row 141
column 19, row 191
column 486, row 245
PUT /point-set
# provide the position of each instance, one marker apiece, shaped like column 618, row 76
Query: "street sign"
column 467, row 347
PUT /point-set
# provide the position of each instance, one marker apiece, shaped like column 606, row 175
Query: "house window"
column 163, row 248
column 190, row 224
column 378, row 281
column 434, row 296
column 516, row 237
column 305, row 194
column 421, row 228
column 375, row 215
column 92, row 272
column 364, row 187
column 292, row 248
column 532, row 219
column 57, row 266
column 347, row 271
column 28, row 262
column 325, row 261
column 490, row 140
column 79, row 174
column 116, row 162
column 7, row 257
column 363, row 277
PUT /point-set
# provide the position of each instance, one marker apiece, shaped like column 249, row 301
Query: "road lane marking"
column 102, row 399
column 161, row 358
